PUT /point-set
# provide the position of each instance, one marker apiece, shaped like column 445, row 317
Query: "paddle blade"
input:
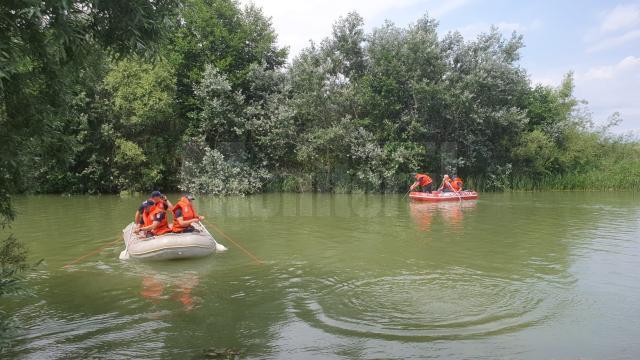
column 220, row 248
column 124, row 255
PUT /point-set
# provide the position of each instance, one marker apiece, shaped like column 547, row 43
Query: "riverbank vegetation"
column 204, row 101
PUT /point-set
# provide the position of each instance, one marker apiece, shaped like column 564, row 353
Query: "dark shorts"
column 427, row 188
column 189, row 229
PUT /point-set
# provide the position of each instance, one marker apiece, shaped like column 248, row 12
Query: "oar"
column 124, row 255
column 405, row 194
column 459, row 197
column 457, row 193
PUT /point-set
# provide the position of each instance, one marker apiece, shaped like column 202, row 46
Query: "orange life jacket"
column 146, row 215
column 458, row 183
column 454, row 185
column 163, row 227
column 448, row 184
column 423, row 180
column 188, row 213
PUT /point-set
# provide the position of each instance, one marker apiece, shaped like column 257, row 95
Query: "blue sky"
column 598, row 40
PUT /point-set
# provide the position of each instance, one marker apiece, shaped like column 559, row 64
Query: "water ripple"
column 449, row 304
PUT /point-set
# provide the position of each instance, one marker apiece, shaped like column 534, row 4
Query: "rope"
column 96, row 251
column 258, row 261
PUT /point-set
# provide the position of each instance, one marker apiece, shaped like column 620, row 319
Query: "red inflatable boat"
column 443, row 196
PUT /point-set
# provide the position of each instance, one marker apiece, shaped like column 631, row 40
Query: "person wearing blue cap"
column 157, row 199
column 143, row 210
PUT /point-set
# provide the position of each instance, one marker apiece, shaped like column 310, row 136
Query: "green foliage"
column 590, row 160
column 142, row 93
column 216, row 110
column 130, row 168
column 212, row 173
column 51, row 56
column 537, row 152
column 13, row 262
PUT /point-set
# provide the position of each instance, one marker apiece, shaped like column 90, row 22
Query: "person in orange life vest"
column 143, row 213
column 156, row 223
column 457, row 183
column 424, row 181
column 447, row 185
column 147, row 206
column 184, row 215
column 158, row 197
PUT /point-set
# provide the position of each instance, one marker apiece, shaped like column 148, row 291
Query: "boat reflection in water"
column 452, row 213
column 157, row 288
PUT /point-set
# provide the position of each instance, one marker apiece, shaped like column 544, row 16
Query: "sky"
column 598, row 40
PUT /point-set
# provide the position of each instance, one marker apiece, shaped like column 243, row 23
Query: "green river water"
column 513, row 276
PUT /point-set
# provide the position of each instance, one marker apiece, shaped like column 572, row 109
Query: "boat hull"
column 437, row 196
column 169, row 246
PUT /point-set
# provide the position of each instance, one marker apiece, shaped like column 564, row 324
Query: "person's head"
column 446, row 177
column 148, row 203
column 455, row 177
column 189, row 197
column 156, row 196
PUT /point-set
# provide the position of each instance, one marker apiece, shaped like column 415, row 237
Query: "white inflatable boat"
column 169, row 246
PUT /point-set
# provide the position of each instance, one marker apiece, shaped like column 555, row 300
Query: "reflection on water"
column 156, row 289
column 450, row 212
column 349, row 276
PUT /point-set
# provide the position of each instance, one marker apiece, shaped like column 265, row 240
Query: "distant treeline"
column 196, row 95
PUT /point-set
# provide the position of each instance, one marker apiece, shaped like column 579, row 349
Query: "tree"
column 46, row 46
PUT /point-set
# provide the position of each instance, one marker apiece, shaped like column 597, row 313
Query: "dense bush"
column 216, row 110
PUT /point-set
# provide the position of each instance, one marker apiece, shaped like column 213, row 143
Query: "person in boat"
column 158, row 197
column 147, row 205
column 448, row 185
column 423, row 181
column 156, row 223
column 184, row 214
column 143, row 212
column 458, row 183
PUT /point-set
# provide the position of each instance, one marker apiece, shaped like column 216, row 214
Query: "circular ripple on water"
column 437, row 305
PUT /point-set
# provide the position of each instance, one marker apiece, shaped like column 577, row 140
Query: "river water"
column 524, row 276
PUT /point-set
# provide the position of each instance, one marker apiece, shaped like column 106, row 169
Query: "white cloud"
column 614, row 41
column 611, row 88
column 298, row 21
column 473, row 30
column 608, row 88
column 628, row 64
column 618, row 26
column 545, row 80
column 621, row 17
column 442, row 8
